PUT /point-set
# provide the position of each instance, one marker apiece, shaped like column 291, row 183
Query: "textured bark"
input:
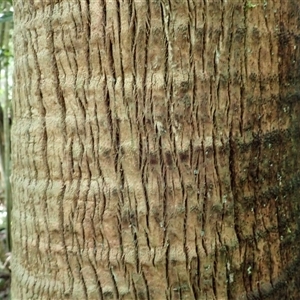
column 155, row 150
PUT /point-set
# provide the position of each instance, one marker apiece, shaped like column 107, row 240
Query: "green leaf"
column 6, row 16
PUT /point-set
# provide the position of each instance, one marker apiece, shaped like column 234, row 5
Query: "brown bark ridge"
column 155, row 149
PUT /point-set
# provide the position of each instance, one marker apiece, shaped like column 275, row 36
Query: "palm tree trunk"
column 155, row 150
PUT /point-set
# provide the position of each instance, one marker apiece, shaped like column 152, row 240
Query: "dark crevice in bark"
column 115, row 284
column 122, row 183
column 167, row 265
column 44, row 149
column 153, row 259
column 82, row 279
column 222, row 19
column 242, row 96
column 141, row 158
column 62, row 233
column 245, row 54
column 121, row 54
column 110, row 60
column 230, row 43
column 146, row 285
column 234, row 189
column 55, row 72
column 94, row 152
column 84, row 197
column 143, row 104
column 193, row 110
column 134, row 51
column 185, row 221
column 80, row 15
column 117, row 151
column 198, row 269
column 145, row 191
column 191, row 154
column 108, row 111
column 204, row 36
column 82, row 108
column 73, row 63
column 215, row 271
column 87, row 27
column 165, row 24
column 93, row 223
column 163, row 184
column 204, row 205
column 104, row 12
column 147, row 240
column 197, row 117
column 134, row 290
column 100, row 291
column 216, row 162
column 119, row 224
column 25, row 233
column 134, row 230
column 99, row 56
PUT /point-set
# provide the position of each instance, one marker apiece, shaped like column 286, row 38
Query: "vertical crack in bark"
column 142, row 109
column 145, row 188
column 94, row 153
column 164, row 185
column 62, row 104
column 114, row 280
column 55, row 72
column 134, row 229
column 271, row 48
column 93, row 227
column 216, row 162
column 234, row 189
column 119, row 224
column 118, row 42
column 44, row 149
column 167, row 266
column 215, row 271
column 87, row 25
column 82, row 278
column 60, row 199
column 222, row 19
column 242, row 96
column 165, row 17
column 134, row 290
column 146, row 286
column 117, row 150
column 96, row 279
column 205, row 204
column 84, row 198
column 122, row 183
column 197, row 281
column 185, row 220
column 204, row 36
column 230, row 43
column 245, row 44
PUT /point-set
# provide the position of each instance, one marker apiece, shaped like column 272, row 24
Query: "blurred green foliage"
column 6, row 16
column 6, row 63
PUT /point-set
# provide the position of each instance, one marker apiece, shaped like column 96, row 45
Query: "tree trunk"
column 155, row 150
